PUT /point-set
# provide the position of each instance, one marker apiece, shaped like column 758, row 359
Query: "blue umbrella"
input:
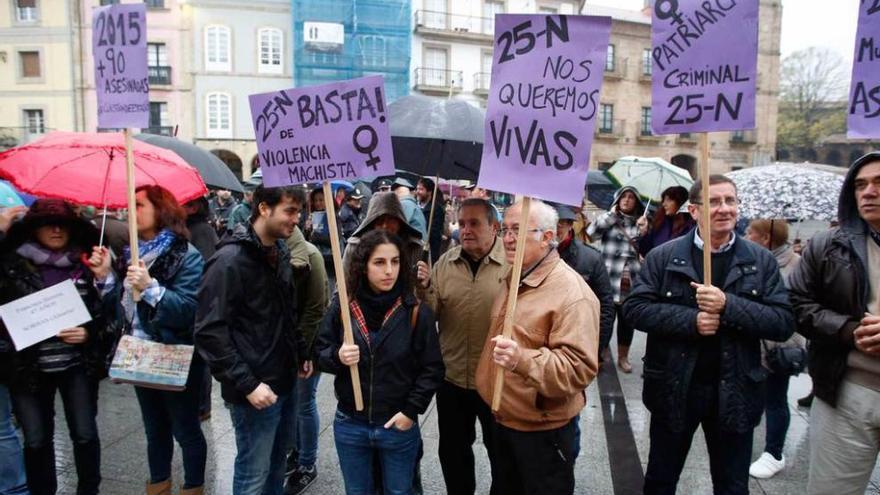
column 9, row 196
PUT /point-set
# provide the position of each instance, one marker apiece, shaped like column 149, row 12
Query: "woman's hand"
column 99, row 262
column 349, row 354
column 642, row 224
column 399, row 421
column 138, row 276
column 75, row 335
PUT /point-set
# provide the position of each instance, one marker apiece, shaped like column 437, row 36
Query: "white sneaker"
column 766, row 466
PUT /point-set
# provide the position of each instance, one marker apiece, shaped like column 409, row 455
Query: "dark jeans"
column 170, row 416
column 457, row 411
column 308, row 423
column 357, row 442
column 778, row 414
column 534, row 462
column 729, row 453
column 12, row 476
column 624, row 331
column 35, row 411
column 205, row 396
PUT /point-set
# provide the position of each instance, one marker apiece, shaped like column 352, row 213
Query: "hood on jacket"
column 386, row 203
column 300, row 249
column 640, row 207
column 847, row 209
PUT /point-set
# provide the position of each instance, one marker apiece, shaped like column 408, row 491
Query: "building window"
column 372, row 50
column 646, row 121
column 34, row 122
column 26, row 11
column 490, row 8
column 108, row 2
column 435, row 65
column 609, row 59
column 606, row 119
column 647, row 62
column 269, row 41
column 217, row 48
column 435, row 14
column 548, row 10
column 157, row 64
column 219, row 115
column 159, row 123
column 155, row 4
column 30, row 64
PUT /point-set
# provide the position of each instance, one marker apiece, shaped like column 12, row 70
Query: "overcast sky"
column 805, row 23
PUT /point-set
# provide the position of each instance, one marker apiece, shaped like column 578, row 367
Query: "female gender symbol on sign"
column 370, row 147
column 668, row 9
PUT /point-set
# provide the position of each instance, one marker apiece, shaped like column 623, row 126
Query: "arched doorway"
column 686, row 162
column 231, row 160
column 834, row 158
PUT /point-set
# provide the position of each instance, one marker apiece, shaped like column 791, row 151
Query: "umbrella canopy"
column 787, row 191
column 437, row 136
column 214, row 172
column 651, row 176
column 600, row 189
column 90, row 169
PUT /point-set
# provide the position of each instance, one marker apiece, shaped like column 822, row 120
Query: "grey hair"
column 545, row 217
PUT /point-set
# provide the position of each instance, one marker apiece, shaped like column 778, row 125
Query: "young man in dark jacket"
column 245, row 331
column 703, row 358
column 835, row 291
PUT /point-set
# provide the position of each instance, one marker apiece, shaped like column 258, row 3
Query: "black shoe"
column 806, row 401
column 300, row 480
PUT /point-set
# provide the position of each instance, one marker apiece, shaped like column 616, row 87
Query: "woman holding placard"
column 397, row 351
column 167, row 277
column 47, row 248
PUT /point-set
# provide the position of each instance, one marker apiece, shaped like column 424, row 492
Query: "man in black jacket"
column 835, row 291
column 245, row 332
column 703, row 357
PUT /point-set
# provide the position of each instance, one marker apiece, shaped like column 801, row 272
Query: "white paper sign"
column 41, row 315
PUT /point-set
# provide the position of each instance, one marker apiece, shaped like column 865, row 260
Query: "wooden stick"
column 427, row 247
column 347, row 335
column 706, row 228
column 513, row 290
column 132, row 207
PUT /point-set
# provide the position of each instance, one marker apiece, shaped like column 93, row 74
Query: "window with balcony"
column 609, row 59
column 372, row 51
column 270, row 46
column 219, row 115
column 217, row 48
column 647, row 62
column 34, row 122
column 435, row 15
column 159, row 122
column 646, row 121
column 30, row 65
column 606, row 118
column 26, row 11
column 490, row 8
column 435, row 71
column 157, row 63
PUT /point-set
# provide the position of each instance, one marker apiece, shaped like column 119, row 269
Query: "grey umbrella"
column 214, row 172
column 437, row 136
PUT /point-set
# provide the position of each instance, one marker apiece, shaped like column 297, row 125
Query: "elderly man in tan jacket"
column 460, row 289
column 550, row 359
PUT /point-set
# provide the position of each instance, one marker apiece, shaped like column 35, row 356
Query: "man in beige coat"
column 460, row 289
column 550, row 359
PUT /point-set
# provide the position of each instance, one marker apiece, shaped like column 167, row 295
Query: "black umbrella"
column 600, row 189
column 437, row 136
column 214, row 172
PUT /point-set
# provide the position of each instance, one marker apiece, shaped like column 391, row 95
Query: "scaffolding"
column 335, row 40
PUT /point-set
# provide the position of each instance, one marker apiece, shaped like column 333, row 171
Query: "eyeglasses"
column 717, row 202
column 515, row 231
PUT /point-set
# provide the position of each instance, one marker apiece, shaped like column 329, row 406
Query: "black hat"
column 353, row 194
column 402, row 182
column 565, row 213
column 50, row 211
column 383, row 183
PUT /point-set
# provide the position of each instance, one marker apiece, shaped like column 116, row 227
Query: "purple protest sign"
column 326, row 132
column 863, row 121
column 705, row 56
column 543, row 101
column 119, row 50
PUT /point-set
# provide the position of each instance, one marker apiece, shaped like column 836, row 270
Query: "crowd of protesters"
column 250, row 282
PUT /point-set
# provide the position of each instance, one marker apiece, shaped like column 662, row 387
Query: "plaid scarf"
column 358, row 314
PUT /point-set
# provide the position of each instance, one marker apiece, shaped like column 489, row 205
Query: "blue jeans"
column 307, row 421
column 175, row 415
column 12, row 477
column 263, row 438
column 778, row 414
column 356, row 444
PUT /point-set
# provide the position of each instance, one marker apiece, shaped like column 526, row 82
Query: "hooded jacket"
column 385, row 204
column 618, row 236
column 310, row 278
column 246, row 320
column 829, row 290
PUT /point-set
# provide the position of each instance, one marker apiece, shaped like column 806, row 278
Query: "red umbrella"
column 89, row 169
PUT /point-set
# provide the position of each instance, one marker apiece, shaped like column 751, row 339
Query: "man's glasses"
column 717, row 202
column 514, row 230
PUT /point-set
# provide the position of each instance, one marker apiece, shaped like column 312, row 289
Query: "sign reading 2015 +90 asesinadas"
column 704, row 65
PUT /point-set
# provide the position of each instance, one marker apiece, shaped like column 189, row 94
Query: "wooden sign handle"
column 513, row 290
column 347, row 335
column 132, row 207
column 706, row 229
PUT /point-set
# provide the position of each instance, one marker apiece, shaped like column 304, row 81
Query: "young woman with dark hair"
column 668, row 223
column 397, row 352
column 167, row 276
